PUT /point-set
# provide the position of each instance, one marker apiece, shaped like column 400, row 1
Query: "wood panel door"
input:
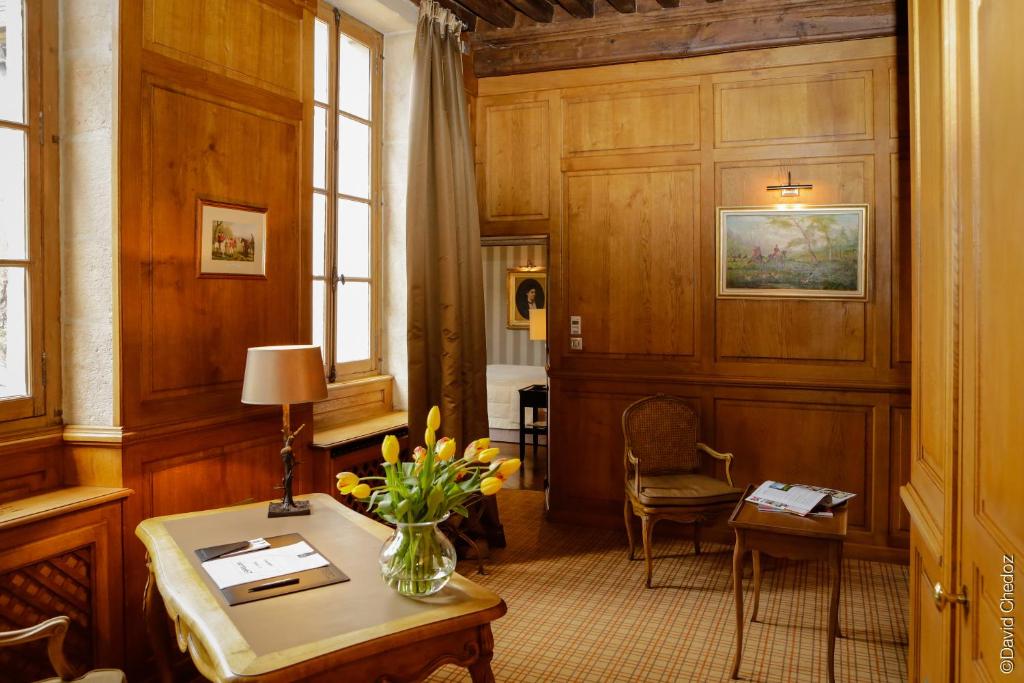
column 930, row 494
column 991, row 97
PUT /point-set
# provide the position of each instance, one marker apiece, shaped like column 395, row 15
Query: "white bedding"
column 503, row 385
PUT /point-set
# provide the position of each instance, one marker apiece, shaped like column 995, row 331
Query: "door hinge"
column 42, row 129
column 44, row 369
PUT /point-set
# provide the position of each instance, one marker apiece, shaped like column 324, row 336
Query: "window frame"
column 41, row 408
column 340, row 23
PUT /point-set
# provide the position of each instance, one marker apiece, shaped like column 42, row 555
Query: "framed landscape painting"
column 232, row 240
column 811, row 252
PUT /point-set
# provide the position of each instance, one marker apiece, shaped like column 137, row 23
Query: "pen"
column 275, row 584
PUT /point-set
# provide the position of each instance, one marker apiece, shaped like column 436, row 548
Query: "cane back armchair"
column 665, row 469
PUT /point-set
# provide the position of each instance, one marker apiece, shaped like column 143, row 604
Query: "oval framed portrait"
column 527, row 290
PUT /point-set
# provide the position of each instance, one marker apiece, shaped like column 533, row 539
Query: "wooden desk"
column 790, row 536
column 359, row 630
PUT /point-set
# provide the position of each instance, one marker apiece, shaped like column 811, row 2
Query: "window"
column 346, row 194
column 28, row 204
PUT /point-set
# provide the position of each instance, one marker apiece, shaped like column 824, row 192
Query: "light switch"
column 576, row 343
column 575, row 324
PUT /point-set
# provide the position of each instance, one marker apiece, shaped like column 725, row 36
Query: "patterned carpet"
column 578, row 611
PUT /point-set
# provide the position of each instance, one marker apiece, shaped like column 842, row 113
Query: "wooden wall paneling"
column 632, row 240
column 254, row 41
column 902, row 261
column 637, row 120
column 69, row 564
column 825, row 115
column 30, row 465
column 899, row 467
column 796, row 330
column 814, row 107
column 515, row 149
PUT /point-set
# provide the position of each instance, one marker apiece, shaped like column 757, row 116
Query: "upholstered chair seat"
column 685, row 489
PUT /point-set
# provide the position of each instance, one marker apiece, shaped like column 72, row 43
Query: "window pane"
column 318, row 315
column 13, row 333
column 12, row 61
column 12, row 194
column 319, row 148
column 353, row 158
column 319, row 233
column 354, row 77
column 353, row 238
column 321, row 44
column 353, row 332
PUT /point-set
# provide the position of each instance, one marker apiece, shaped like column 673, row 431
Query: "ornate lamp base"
column 282, row 509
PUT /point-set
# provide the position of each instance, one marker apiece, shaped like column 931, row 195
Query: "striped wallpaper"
column 505, row 346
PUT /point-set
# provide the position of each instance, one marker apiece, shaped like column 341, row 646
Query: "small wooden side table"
column 787, row 536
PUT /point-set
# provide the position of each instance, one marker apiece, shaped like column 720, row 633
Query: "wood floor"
column 534, row 466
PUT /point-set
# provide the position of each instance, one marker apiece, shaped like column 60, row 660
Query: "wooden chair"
column 54, row 631
column 663, row 463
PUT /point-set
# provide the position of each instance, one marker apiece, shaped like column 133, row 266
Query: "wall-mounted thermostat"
column 575, row 324
column 576, row 343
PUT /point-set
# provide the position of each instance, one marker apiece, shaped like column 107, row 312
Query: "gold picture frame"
column 230, row 240
column 520, row 297
column 796, row 252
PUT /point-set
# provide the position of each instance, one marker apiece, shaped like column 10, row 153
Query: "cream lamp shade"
column 538, row 324
column 283, row 375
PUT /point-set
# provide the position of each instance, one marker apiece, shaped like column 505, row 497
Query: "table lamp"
column 538, row 324
column 283, row 375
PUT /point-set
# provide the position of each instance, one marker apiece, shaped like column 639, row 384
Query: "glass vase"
column 418, row 559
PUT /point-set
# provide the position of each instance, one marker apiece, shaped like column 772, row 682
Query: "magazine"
column 799, row 499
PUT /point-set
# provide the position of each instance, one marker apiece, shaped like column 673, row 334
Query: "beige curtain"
column 446, row 335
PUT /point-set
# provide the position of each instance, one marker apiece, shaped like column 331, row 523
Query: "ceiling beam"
column 668, row 4
column 623, row 6
column 494, row 12
column 581, row 9
column 538, row 10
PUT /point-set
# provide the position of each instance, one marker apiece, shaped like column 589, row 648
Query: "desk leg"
column 480, row 670
column 833, row 609
column 737, row 583
column 156, row 627
column 757, row 583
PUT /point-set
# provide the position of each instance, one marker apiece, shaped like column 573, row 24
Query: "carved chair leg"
column 627, row 512
column 696, row 537
column 648, row 533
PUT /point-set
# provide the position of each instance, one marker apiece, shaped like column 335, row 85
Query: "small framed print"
column 231, row 240
column 805, row 252
column 527, row 289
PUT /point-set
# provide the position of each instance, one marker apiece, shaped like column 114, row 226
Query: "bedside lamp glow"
column 283, row 375
column 538, row 324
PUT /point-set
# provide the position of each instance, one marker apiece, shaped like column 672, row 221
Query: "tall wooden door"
column 967, row 539
column 930, row 493
column 991, row 173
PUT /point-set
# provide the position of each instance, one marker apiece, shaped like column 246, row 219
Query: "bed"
column 503, row 385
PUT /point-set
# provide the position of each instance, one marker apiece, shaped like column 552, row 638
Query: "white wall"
column 88, row 209
column 398, row 50
column 505, row 346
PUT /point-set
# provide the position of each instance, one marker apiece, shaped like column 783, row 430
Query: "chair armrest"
column 53, row 630
column 727, row 457
column 632, row 463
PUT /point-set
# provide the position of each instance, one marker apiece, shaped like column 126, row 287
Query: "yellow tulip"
column 429, row 438
column 490, row 485
column 447, row 449
column 509, row 467
column 389, row 449
column 361, row 491
column 346, row 482
column 473, row 449
column 487, row 455
column 434, row 418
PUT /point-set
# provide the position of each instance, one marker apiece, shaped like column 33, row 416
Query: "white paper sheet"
column 263, row 564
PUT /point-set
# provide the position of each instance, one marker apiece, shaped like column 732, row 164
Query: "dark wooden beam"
column 538, row 10
column 668, row 4
column 623, row 6
column 705, row 28
column 581, row 9
column 494, row 12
